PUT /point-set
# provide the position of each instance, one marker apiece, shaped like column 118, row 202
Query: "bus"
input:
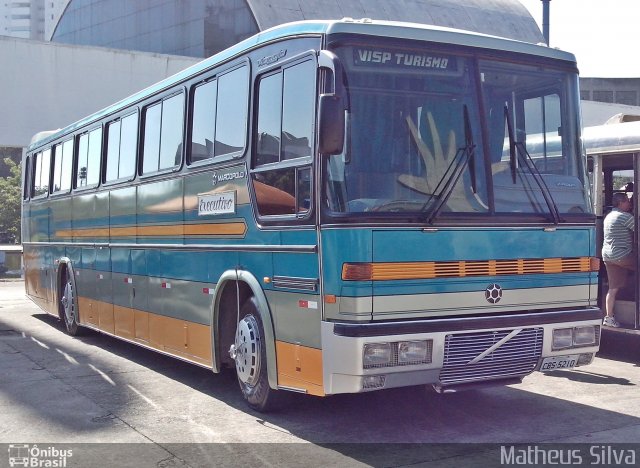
column 329, row 207
column 613, row 150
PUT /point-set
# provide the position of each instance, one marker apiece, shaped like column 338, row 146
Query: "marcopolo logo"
column 40, row 457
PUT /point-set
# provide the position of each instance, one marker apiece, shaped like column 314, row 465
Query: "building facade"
column 48, row 86
column 200, row 28
column 624, row 91
column 30, row 19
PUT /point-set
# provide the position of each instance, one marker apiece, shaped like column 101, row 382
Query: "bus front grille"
column 518, row 356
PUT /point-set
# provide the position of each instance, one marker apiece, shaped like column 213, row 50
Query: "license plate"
column 559, row 362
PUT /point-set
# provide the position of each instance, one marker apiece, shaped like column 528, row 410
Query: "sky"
column 602, row 34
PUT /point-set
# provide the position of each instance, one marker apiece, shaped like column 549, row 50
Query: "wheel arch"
column 246, row 286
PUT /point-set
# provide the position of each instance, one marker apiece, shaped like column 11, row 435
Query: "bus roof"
column 393, row 29
column 612, row 138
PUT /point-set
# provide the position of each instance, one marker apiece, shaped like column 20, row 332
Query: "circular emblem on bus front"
column 493, row 293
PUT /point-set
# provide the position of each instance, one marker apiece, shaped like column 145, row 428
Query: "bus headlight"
column 376, row 355
column 584, row 336
column 564, row 338
column 412, row 352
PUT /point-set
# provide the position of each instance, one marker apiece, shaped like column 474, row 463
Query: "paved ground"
column 112, row 403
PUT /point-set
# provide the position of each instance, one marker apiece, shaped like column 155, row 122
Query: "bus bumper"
column 453, row 353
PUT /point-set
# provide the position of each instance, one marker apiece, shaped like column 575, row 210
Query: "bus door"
column 619, row 174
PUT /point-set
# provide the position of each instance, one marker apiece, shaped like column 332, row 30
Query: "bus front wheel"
column 250, row 355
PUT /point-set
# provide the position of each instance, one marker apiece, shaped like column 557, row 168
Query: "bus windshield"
column 441, row 135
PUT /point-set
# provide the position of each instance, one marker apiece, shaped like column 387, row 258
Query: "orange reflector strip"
column 357, row 271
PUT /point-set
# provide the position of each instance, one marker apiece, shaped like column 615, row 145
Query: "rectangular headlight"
column 412, row 352
column 584, row 336
column 376, row 355
column 562, row 338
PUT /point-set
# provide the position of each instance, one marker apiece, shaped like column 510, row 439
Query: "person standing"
column 617, row 251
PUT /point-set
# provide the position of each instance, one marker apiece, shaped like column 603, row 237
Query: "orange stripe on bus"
column 169, row 230
column 227, row 229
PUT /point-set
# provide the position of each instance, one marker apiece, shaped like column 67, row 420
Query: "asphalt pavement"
column 97, row 401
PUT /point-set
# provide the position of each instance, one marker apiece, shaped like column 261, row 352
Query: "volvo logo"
column 493, row 293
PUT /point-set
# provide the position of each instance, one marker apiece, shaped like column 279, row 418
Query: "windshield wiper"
column 512, row 145
column 465, row 156
column 517, row 148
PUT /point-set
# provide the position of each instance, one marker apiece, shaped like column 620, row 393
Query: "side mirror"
column 331, row 125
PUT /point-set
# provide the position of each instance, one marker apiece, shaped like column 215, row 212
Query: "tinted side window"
column 41, row 173
column 94, row 156
column 27, row 177
column 284, row 140
column 231, row 120
column 151, row 151
column 204, row 121
column 63, row 157
column 163, row 129
column 269, row 119
column 122, row 141
column 113, row 150
column 89, row 149
column 128, row 147
column 219, row 122
column 297, row 110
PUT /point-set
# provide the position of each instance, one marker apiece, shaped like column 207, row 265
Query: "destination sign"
column 403, row 59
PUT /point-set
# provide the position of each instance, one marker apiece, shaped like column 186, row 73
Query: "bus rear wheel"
column 250, row 354
column 68, row 307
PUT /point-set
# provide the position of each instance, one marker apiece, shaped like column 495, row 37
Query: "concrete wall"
column 45, row 86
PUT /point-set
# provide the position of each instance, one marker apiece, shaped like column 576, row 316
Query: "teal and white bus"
column 329, row 207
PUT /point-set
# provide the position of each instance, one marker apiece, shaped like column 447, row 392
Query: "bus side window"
column 122, row 140
column 284, row 140
column 41, row 175
column 219, row 122
column 62, row 165
column 26, row 185
column 163, row 128
column 89, row 148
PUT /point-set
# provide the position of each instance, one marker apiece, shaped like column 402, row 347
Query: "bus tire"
column 68, row 305
column 250, row 355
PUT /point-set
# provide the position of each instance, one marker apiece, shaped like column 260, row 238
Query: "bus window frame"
column 88, row 130
column 26, row 178
column 215, row 76
column 44, row 194
column 298, row 164
column 159, row 99
column 60, row 144
column 129, row 111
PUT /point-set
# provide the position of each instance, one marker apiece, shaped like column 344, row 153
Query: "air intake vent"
column 516, row 357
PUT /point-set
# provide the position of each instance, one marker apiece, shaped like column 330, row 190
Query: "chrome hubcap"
column 67, row 303
column 246, row 350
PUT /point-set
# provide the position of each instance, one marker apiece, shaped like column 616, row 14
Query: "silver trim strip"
column 197, row 247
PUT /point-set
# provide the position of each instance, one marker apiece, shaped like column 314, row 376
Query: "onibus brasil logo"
column 41, row 457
